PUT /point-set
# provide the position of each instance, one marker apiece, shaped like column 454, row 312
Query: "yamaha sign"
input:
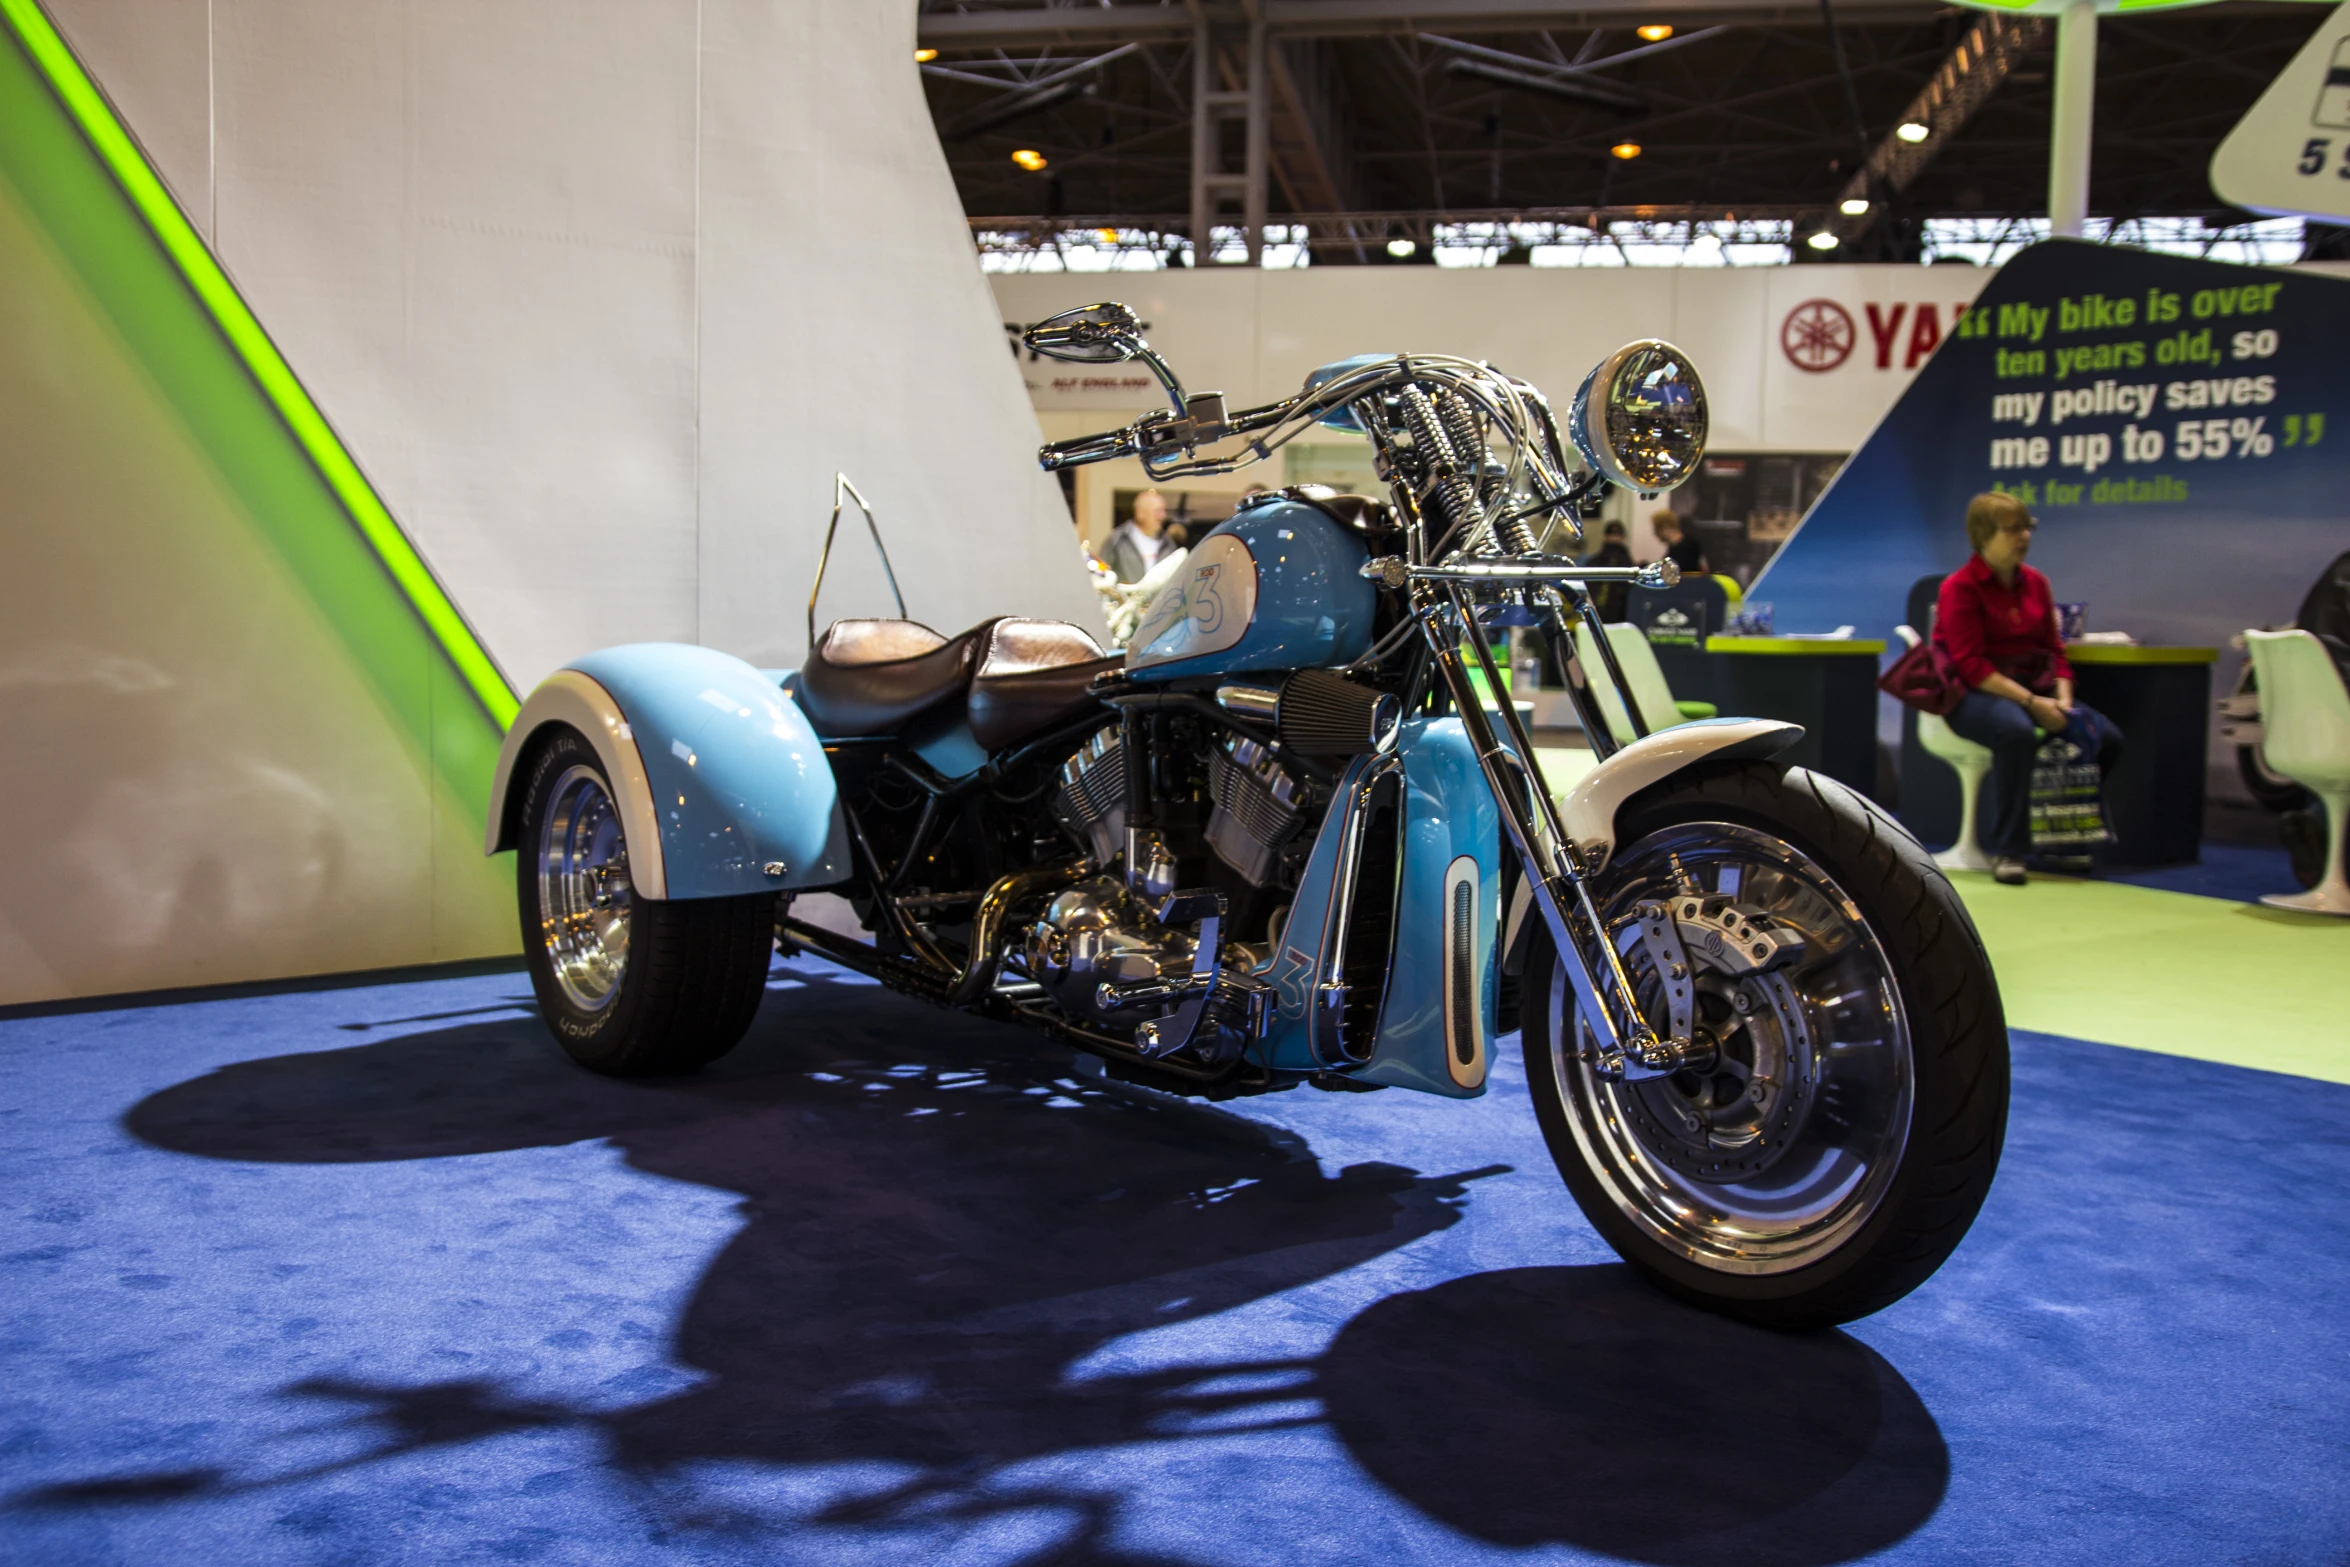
column 1820, row 335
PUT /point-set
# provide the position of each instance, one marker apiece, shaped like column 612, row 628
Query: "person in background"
column 1666, row 525
column 1610, row 597
column 1136, row 544
column 1996, row 619
column 1688, row 553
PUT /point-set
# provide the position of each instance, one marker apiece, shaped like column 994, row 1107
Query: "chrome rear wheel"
column 585, row 896
column 630, row 986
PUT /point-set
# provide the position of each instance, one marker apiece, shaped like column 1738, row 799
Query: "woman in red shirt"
column 1996, row 619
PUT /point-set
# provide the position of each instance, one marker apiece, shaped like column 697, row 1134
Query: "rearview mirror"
column 1640, row 417
column 1089, row 335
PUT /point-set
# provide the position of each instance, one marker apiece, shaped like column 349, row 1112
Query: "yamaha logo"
column 1817, row 335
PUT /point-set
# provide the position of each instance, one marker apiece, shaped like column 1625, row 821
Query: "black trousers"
column 2007, row 730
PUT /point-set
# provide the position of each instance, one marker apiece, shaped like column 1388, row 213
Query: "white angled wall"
column 600, row 293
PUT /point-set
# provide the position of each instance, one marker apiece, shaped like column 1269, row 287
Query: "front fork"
column 1628, row 1049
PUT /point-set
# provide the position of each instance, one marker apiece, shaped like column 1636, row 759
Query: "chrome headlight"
column 1639, row 417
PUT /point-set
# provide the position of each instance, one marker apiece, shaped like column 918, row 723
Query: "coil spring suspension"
column 1452, row 466
column 1452, row 411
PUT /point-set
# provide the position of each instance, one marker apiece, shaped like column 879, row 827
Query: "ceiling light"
column 1626, row 150
column 925, row 56
column 1657, row 32
column 1029, row 158
column 1106, row 236
column 1912, row 132
column 1853, row 206
column 1823, row 240
column 1401, row 249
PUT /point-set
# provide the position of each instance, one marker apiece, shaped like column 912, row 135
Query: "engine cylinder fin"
column 1258, row 806
column 1091, row 801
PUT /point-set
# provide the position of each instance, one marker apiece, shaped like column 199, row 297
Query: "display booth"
column 2177, row 429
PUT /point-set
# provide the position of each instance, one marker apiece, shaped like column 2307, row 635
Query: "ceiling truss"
column 1370, row 107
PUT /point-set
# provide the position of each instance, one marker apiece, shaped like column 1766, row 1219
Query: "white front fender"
column 1588, row 813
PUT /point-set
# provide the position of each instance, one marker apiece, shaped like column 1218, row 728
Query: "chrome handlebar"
column 1166, row 441
column 1394, row 571
column 1159, row 436
column 1076, row 453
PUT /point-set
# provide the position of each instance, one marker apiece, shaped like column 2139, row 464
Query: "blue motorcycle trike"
column 1284, row 840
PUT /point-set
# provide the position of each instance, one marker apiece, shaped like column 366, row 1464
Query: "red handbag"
column 1923, row 678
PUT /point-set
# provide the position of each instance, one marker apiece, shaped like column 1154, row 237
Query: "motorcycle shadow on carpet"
column 942, row 1219
column 1577, row 1405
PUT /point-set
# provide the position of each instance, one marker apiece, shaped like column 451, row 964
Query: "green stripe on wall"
column 441, row 716
column 169, row 227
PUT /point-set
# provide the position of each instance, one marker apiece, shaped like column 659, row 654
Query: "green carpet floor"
column 2187, row 976
column 2164, row 971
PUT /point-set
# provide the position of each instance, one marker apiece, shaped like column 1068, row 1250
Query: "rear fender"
column 1588, row 812
column 722, row 785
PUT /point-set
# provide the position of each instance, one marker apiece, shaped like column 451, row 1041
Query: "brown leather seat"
column 1031, row 675
column 868, row 677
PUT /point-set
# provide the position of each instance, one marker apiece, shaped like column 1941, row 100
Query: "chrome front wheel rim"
column 1777, row 1155
column 585, row 894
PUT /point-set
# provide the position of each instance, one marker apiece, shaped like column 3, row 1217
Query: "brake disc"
column 1712, row 971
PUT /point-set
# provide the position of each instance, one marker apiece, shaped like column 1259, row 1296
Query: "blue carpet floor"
column 2238, row 872
column 372, row 1275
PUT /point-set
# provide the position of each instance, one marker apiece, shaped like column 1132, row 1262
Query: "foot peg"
column 1219, row 1013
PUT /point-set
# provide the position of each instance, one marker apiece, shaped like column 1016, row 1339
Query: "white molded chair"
column 1971, row 762
column 1658, row 707
column 2305, row 736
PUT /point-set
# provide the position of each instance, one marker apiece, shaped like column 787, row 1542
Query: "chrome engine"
column 1110, row 964
column 1125, row 951
column 1096, row 938
column 1259, row 808
column 1091, row 801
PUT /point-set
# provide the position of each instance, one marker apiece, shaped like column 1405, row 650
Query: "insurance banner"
column 2180, row 428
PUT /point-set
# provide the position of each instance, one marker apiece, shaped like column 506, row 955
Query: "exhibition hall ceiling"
column 1381, row 107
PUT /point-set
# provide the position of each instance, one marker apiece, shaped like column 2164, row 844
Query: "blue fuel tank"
column 1279, row 586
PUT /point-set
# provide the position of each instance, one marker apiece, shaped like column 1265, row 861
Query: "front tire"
column 630, row 986
column 1840, row 1146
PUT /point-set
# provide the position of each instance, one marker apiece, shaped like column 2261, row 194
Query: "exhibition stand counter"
column 1828, row 685
column 2160, row 697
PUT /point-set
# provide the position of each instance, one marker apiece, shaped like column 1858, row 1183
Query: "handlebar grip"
column 1056, row 455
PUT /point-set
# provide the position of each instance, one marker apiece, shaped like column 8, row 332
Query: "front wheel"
column 630, row 986
column 1839, row 1143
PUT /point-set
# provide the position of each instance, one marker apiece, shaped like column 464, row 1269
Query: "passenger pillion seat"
column 869, row 677
column 1032, row 675
column 875, row 677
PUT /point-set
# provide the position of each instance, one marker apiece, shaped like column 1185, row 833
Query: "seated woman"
column 1996, row 619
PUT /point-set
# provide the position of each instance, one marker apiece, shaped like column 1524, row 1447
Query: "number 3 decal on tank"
column 1206, row 610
